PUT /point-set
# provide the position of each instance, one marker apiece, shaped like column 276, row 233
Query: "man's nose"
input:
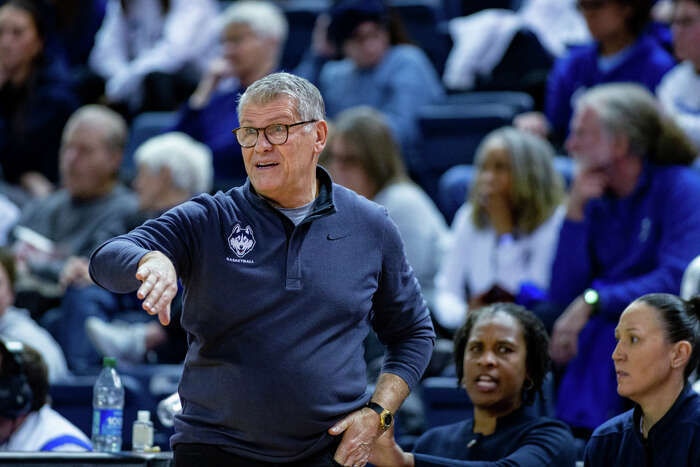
column 262, row 144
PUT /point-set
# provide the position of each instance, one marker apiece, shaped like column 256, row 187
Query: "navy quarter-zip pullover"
column 276, row 314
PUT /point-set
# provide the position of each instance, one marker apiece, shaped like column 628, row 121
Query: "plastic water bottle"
column 142, row 434
column 107, row 409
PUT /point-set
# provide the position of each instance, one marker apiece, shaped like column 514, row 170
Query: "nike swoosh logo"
column 337, row 236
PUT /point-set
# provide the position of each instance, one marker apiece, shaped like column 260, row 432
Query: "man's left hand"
column 564, row 344
column 361, row 429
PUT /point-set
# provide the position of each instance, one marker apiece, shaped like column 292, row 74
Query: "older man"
column 632, row 226
column 283, row 278
column 252, row 37
column 92, row 205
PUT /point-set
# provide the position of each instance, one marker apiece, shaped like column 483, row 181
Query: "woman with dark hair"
column 36, row 100
column 622, row 51
column 502, row 360
column 657, row 350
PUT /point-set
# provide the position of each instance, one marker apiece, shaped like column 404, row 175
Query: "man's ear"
column 321, row 136
column 681, row 354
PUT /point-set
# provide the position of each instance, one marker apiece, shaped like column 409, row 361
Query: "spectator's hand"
column 218, row 68
column 361, row 429
column 386, row 453
column 75, row 272
column 533, row 122
column 36, row 184
column 320, row 44
column 588, row 183
column 159, row 284
column 564, row 344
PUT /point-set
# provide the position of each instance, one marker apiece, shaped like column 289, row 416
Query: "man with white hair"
column 171, row 169
column 253, row 34
column 284, row 276
column 631, row 227
column 91, row 207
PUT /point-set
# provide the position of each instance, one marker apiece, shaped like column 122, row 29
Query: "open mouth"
column 486, row 383
column 266, row 165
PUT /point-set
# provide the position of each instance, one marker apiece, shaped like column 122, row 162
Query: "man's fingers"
column 142, row 273
column 162, row 306
column 164, row 316
column 339, row 427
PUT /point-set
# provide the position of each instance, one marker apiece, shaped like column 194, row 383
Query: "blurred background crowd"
column 528, row 151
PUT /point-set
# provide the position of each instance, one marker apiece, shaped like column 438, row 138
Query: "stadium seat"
column 453, row 187
column 520, row 101
column 143, row 127
column 301, row 17
column 423, row 20
column 444, row 402
column 450, row 135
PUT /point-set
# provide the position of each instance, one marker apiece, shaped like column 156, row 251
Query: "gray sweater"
column 77, row 226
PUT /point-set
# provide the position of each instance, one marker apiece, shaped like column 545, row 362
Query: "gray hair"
column 307, row 98
column 189, row 162
column 264, row 18
column 112, row 125
column 537, row 188
column 631, row 110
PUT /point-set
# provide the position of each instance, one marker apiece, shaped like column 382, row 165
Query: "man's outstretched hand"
column 159, row 284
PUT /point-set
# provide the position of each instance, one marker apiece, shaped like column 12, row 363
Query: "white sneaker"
column 125, row 341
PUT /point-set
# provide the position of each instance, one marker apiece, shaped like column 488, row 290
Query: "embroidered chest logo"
column 241, row 240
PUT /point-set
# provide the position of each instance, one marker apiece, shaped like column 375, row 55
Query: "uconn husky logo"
column 241, row 240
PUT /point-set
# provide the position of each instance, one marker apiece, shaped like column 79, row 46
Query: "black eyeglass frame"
column 264, row 130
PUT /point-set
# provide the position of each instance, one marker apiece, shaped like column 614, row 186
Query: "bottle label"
column 107, row 422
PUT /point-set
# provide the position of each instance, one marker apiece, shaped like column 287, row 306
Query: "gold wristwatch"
column 386, row 418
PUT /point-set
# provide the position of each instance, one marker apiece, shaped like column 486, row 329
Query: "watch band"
column 386, row 418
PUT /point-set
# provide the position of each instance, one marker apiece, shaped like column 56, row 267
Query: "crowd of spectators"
column 622, row 101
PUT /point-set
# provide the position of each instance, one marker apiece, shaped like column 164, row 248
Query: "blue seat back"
column 450, row 135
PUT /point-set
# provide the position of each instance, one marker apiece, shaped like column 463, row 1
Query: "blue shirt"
column 521, row 438
column 624, row 248
column 645, row 63
column 212, row 126
column 672, row 441
column 276, row 314
column 398, row 86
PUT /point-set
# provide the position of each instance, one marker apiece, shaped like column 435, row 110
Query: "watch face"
column 387, row 419
column 590, row 296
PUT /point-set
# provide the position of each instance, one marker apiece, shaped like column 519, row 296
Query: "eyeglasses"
column 277, row 133
column 587, row 5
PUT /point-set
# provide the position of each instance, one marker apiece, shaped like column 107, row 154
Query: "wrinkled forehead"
column 281, row 102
